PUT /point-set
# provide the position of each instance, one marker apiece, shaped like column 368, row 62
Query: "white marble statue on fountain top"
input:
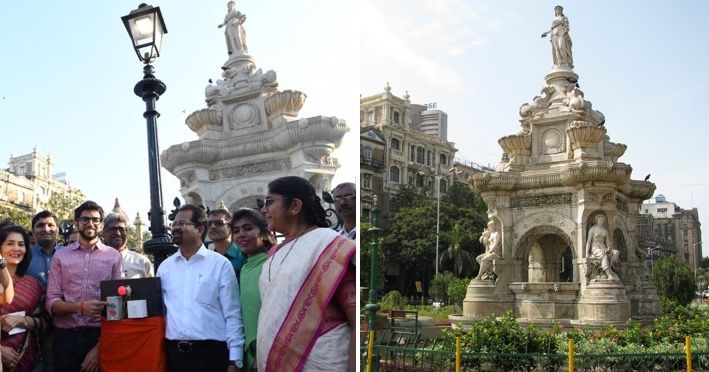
column 234, row 32
column 560, row 40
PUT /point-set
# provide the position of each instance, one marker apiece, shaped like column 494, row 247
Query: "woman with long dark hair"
column 307, row 318
column 20, row 350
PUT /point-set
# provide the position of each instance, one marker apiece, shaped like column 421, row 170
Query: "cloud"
column 412, row 44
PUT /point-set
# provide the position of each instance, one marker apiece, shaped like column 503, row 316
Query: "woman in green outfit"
column 250, row 232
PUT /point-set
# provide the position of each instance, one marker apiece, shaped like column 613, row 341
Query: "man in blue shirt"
column 219, row 231
column 44, row 230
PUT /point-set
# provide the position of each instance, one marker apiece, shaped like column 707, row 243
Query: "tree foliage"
column 17, row 216
column 674, row 280
column 63, row 203
column 461, row 260
column 365, row 260
column 439, row 286
column 457, row 290
column 410, row 239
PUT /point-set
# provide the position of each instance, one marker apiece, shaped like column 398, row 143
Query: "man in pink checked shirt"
column 73, row 291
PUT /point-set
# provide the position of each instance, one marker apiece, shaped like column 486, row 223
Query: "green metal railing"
column 440, row 355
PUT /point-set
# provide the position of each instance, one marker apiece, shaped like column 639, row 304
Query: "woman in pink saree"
column 308, row 314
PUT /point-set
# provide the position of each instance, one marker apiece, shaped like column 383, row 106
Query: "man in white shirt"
column 345, row 197
column 204, row 330
column 115, row 234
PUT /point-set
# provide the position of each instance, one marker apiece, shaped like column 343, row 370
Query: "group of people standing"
column 245, row 304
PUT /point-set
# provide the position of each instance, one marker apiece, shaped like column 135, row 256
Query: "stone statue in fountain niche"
column 560, row 40
column 601, row 257
column 234, row 32
column 492, row 240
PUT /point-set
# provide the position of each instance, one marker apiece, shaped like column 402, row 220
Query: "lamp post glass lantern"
column 146, row 27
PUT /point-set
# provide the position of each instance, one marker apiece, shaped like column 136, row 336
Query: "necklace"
column 287, row 253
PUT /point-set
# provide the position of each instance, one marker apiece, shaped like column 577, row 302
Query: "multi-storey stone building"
column 665, row 229
column 28, row 183
column 393, row 153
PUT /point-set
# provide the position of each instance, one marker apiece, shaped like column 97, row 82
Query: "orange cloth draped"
column 133, row 345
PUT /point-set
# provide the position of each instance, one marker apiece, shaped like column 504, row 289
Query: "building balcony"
column 371, row 163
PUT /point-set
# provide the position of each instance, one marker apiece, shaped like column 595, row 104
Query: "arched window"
column 394, row 174
column 395, row 144
column 367, row 153
column 443, row 185
column 443, row 159
column 396, row 117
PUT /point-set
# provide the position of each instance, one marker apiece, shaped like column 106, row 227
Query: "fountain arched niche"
column 547, row 284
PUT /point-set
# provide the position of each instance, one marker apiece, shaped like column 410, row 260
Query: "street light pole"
column 160, row 245
column 372, row 307
column 146, row 28
column 438, row 215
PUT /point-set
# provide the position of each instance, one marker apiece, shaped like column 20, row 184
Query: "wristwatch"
column 3, row 263
column 238, row 363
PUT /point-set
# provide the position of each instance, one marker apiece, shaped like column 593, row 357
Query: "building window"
column 419, row 180
column 367, row 153
column 396, row 117
column 420, row 155
column 412, row 153
column 443, row 159
column 394, row 174
column 367, row 181
column 428, row 157
column 395, row 144
column 443, row 185
column 366, row 214
column 661, row 210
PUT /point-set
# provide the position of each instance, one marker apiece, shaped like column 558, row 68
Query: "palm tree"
column 462, row 259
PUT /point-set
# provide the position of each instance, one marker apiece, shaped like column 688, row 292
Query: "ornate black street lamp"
column 146, row 29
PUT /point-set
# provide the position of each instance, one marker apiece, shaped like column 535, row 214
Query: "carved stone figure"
column 234, row 31
column 492, row 240
column 600, row 253
column 560, row 39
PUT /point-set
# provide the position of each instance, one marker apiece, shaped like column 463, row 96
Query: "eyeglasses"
column 267, row 203
column 182, row 224
column 113, row 230
column 217, row 223
column 345, row 197
column 86, row 220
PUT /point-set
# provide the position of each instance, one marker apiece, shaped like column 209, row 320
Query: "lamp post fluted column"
column 160, row 245
column 372, row 307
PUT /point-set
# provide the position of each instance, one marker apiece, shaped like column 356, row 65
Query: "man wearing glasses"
column 73, row 292
column 135, row 265
column 346, row 206
column 219, row 231
column 203, row 326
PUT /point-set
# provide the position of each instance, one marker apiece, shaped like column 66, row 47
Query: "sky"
column 642, row 64
column 68, row 71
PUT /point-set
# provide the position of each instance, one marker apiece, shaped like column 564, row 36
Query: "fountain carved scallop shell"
column 202, row 119
column 285, row 103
